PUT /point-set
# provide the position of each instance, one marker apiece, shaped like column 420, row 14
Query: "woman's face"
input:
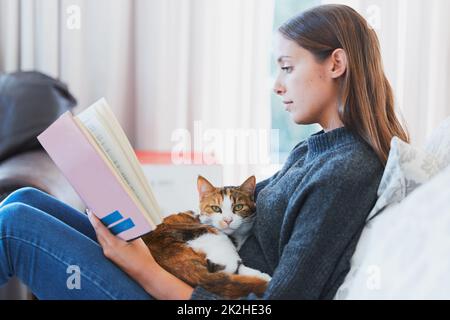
column 307, row 87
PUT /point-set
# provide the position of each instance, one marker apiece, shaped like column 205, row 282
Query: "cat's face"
column 226, row 208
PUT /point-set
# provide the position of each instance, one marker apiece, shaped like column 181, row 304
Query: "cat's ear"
column 204, row 186
column 249, row 185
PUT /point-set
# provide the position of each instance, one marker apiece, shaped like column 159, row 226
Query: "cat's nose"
column 228, row 220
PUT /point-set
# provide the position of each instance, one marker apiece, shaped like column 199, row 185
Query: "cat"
column 202, row 248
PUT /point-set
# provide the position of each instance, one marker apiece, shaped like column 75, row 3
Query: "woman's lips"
column 287, row 105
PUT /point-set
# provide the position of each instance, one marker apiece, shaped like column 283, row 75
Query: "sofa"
column 404, row 249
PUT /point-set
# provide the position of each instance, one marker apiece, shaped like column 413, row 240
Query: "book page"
column 101, row 123
column 127, row 150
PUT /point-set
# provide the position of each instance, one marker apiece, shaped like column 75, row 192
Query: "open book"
column 95, row 156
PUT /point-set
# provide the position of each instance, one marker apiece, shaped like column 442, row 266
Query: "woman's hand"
column 133, row 257
column 136, row 260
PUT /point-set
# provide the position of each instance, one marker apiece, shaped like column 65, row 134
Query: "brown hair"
column 367, row 101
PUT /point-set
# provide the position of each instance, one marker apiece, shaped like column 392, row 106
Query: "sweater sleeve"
column 331, row 212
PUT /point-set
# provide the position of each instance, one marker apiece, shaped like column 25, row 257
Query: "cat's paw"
column 265, row 276
column 255, row 273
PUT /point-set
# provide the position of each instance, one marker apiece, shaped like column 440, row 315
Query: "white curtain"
column 415, row 42
column 213, row 67
column 162, row 64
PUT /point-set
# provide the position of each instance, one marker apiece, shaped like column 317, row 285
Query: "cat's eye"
column 238, row 207
column 216, row 209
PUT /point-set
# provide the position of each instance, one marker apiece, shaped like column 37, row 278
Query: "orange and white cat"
column 202, row 248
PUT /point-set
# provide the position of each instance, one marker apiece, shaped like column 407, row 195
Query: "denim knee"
column 21, row 195
column 10, row 214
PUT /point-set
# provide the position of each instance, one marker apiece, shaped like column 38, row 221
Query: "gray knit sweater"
column 310, row 216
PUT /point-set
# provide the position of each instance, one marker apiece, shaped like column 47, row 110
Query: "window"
column 289, row 133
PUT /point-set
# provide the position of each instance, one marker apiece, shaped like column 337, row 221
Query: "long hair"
column 366, row 98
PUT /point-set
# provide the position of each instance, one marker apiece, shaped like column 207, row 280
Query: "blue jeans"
column 52, row 248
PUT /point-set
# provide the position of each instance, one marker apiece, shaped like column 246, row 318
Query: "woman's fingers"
column 95, row 222
column 104, row 236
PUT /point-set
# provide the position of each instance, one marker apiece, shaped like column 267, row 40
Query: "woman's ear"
column 338, row 63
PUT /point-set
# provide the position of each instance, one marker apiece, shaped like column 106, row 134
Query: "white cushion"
column 407, row 168
column 404, row 253
column 438, row 144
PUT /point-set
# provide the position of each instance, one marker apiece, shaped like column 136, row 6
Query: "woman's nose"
column 279, row 90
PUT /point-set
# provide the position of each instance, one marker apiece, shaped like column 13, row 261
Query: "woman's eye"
column 287, row 69
column 238, row 207
column 216, row 209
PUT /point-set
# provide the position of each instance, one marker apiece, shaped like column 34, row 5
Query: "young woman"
column 310, row 214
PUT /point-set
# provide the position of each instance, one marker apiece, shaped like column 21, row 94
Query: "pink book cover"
column 92, row 179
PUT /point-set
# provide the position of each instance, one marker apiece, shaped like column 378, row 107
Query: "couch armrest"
column 36, row 169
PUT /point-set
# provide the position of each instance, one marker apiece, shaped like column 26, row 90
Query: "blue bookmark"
column 111, row 218
column 122, row 226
